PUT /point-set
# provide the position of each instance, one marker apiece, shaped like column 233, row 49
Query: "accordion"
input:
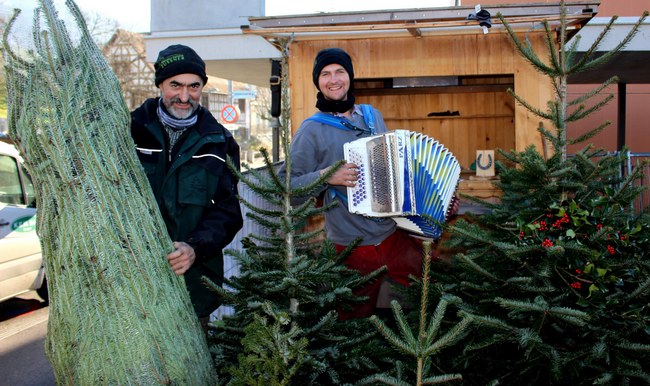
column 404, row 175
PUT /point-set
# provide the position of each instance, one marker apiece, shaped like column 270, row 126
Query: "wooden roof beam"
column 420, row 15
column 527, row 20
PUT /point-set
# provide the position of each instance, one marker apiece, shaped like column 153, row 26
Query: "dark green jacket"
column 195, row 191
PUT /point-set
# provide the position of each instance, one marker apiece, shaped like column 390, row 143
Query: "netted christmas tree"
column 118, row 315
column 557, row 274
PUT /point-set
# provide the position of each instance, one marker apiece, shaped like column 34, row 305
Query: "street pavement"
column 23, row 324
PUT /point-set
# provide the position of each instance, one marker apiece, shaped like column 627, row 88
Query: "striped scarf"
column 175, row 127
column 175, row 123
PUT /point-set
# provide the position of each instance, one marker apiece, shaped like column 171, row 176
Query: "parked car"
column 21, row 261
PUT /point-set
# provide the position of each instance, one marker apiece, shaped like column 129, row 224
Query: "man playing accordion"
column 316, row 146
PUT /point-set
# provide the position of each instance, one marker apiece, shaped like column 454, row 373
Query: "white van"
column 21, row 262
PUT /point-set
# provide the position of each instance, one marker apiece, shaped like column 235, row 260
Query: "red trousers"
column 400, row 253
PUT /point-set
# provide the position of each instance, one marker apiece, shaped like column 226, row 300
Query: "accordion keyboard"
column 359, row 192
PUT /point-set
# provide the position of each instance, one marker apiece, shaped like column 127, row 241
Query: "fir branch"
column 264, row 221
column 588, row 61
column 594, row 92
column 520, row 280
column 403, row 326
column 449, row 338
column 642, row 290
column 21, row 66
column 577, row 249
column 309, row 236
column 632, row 346
column 308, row 209
column 589, row 134
column 492, row 323
column 641, row 375
column 572, row 316
column 582, row 112
column 536, row 290
column 407, row 347
column 317, row 185
column 257, row 187
column 525, row 50
column 446, row 378
column 556, row 58
column 483, row 287
column 529, row 107
column 462, row 258
column 381, row 378
column 273, row 211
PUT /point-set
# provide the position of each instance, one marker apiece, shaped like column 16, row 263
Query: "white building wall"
column 173, row 15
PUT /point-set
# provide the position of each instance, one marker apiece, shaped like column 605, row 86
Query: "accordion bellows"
column 404, row 175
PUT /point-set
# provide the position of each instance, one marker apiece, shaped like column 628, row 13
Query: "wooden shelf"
column 432, row 90
column 451, row 117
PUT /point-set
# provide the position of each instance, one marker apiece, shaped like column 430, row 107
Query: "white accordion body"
column 405, row 175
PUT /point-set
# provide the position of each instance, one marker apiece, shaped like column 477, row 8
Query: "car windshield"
column 11, row 191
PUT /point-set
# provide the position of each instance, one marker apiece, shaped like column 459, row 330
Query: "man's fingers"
column 179, row 266
column 181, row 259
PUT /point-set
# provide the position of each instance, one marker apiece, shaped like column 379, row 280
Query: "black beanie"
column 329, row 56
column 179, row 59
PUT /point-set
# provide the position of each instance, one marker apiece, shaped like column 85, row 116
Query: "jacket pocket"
column 196, row 184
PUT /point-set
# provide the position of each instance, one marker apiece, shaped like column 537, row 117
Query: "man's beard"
column 177, row 113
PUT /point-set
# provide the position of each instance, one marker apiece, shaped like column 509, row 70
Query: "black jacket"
column 195, row 191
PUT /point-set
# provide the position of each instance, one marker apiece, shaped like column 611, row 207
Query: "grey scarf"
column 175, row 123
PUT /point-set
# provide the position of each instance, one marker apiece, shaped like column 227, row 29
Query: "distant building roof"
column 630, row 65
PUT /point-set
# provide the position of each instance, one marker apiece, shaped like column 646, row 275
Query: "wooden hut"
column 440, row 71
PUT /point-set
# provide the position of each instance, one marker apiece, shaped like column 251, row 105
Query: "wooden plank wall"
column 487, row 120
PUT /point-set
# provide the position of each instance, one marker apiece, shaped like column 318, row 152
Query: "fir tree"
column 421, row 345
column 556, row 275
column 286, row 297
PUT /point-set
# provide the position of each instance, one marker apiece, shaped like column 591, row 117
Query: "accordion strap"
column 344, row 124
column 368, row 117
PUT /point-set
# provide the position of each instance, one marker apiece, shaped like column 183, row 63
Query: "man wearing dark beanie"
column 316, row 146
column 179, row 59
column 328, row 57
column 183, row 150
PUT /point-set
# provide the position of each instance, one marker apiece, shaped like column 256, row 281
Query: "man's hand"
column 346, row 175
column 182, row 258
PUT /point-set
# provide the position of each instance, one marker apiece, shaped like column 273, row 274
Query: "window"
column 11, row 192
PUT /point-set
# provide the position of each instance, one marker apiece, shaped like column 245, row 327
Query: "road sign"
column 229, row 114
column 243, row 94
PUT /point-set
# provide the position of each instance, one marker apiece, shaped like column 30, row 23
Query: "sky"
column 134, row 15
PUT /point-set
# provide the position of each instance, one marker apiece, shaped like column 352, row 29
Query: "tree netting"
column 118, row 314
